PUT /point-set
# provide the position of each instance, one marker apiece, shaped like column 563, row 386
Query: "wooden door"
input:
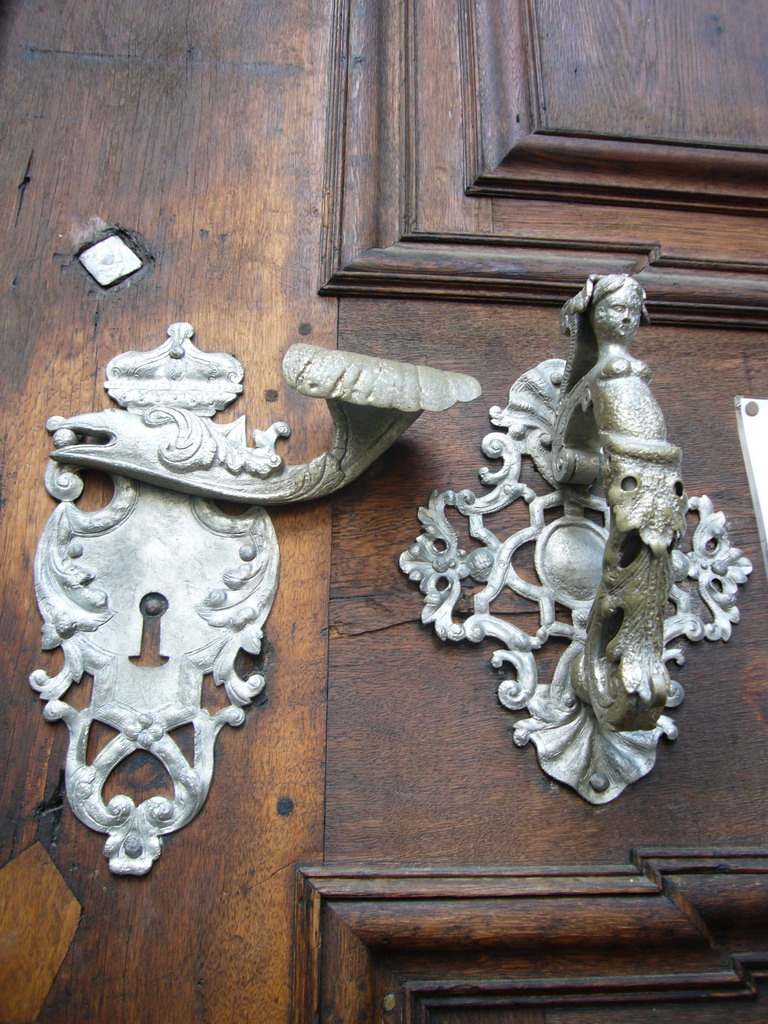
column 445, row 174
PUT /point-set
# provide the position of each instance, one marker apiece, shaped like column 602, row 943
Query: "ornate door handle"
column 610, row 430
column 163, row 563
column 591, row 420
column 164, row 434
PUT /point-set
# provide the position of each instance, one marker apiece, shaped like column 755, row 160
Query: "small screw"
column 132, row 847
column 598, row 782
column 110, row 261
column 752, row 409
column 153, row 605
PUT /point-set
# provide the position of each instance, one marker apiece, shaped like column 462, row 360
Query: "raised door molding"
column 451, row 120
column 648, row 103
column 408, row 945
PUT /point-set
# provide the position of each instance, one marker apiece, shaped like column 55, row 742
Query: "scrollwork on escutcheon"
column 218, row 576
column 582, row 565
column 163, row 552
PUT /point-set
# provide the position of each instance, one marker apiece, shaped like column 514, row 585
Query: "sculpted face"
column 617, row 315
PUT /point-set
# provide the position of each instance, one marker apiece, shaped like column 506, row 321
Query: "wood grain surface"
column 199, row 129
column 38, row 919
column 652, row 70
column 254, row 152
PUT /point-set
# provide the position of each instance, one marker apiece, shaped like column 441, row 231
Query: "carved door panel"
column 493, row 156
column 426, row 180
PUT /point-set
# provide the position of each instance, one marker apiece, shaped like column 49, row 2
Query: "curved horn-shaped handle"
column 610, row 429
column 164, row 434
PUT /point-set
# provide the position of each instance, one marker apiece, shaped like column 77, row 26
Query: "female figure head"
column 616, row 309
column 613, row 306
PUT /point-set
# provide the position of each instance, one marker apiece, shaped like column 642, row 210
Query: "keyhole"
column 152, row 608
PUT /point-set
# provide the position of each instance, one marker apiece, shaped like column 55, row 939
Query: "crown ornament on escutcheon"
column 175, row 374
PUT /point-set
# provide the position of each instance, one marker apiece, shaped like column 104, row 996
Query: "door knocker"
column 610, row 562
column 163, row 557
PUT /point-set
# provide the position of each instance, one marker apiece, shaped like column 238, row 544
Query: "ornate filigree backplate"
column 208, row 580
column 568, row 527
